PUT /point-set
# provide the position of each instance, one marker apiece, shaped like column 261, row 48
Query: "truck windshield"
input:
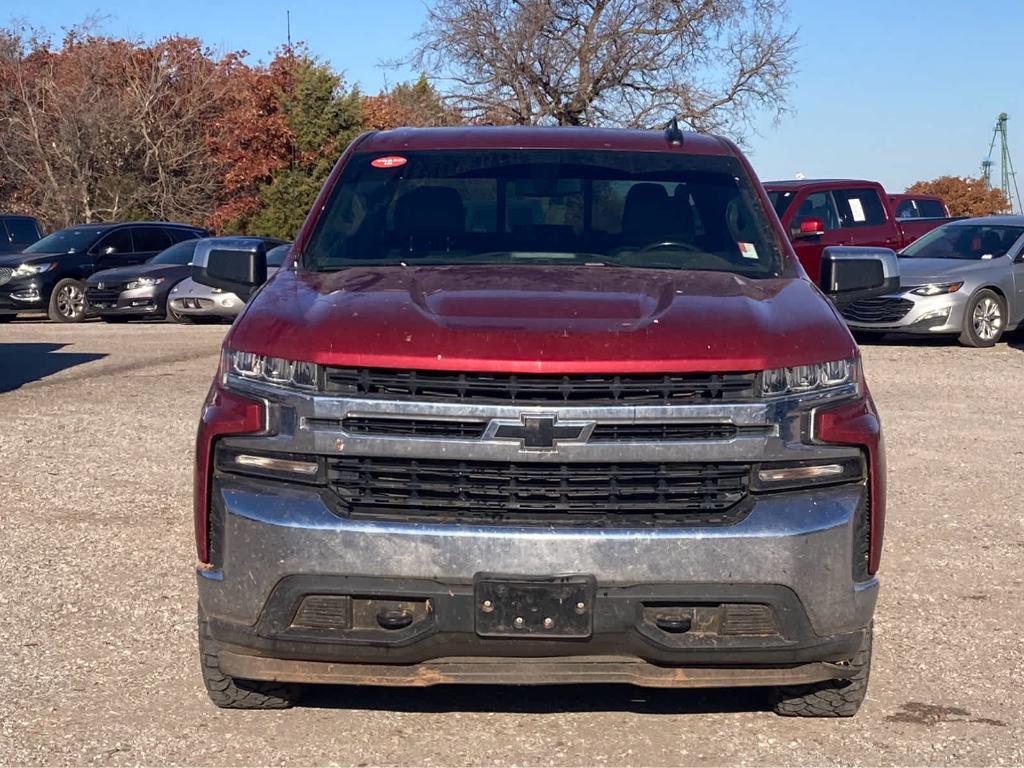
column 780, row 200
column 964, row 241
column 636, row 209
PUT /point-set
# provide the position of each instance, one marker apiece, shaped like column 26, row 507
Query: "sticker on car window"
column 388, row 161
column 856, row 209
column 748, row 250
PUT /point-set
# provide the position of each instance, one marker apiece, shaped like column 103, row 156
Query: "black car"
column 49, row 275
column 17, row 232
column 120, row 294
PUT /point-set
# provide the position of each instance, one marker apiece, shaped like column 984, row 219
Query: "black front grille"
column 5, row 274
column 105, row 295
column 505, row 388
column 884, row 309
column 375, row 426
column 470, row 429
column 541, row 492
column 658, row 431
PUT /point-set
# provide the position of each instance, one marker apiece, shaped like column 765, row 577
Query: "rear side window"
column 22, row 231
column 930, row 209
column 636, row 209
column 859, row 207
column 181, row 234
column 150, row 239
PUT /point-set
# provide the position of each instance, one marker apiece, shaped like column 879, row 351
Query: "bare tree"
column 102, row 129
column 636, row 63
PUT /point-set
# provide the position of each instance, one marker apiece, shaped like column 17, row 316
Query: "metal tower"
column 1008, row 176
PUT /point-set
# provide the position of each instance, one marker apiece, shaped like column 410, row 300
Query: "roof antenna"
column 673, row 135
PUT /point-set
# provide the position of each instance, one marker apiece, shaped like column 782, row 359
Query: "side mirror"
column 234, row 264
column 809, row 227
column 851, row 273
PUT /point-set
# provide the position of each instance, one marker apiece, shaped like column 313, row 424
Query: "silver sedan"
column 964, row 279
column 193, row 300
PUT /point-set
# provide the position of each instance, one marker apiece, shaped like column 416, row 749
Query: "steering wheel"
column 669, row 244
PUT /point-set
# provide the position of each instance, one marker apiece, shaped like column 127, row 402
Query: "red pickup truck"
column 821, row 212
column 539, row 405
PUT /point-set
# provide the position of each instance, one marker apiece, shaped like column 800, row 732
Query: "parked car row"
column 116, row 271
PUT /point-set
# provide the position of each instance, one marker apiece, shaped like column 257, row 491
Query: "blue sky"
column 885, row 90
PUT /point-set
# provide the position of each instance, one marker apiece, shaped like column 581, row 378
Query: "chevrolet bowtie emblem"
column 538, row 432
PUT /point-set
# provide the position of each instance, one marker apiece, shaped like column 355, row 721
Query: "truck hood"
column 923, row 271
column 555, row 319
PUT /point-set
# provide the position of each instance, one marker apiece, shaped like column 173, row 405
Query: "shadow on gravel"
column 550, row 699
column 24, row 363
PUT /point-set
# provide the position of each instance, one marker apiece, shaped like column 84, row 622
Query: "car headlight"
column 27, row 270
column 278, row 371
column 143, row 282
column 936, row 289
column 805, row 379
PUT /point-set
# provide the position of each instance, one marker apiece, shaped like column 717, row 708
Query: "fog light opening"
column 789, row 474
column 307, row 468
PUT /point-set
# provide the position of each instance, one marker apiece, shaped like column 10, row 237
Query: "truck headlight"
column 805, row 379
column 27, row 270
column 937, row 289
column 143, row 282
column 280, row 372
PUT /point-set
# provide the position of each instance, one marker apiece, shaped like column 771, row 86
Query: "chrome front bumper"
column 800, row 541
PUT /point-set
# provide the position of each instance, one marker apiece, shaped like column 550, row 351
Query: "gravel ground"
column 97, row 636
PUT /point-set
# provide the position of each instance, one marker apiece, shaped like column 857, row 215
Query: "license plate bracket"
column 557, row 607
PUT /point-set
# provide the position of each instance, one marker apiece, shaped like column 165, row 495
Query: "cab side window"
column 118, row 241
column 859, row 208
column 150, row 239
column 818, row 205
column 907, row 210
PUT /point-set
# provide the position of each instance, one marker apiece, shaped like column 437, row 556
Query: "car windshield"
column 275, row 256
column 66, row 241
column 964, row 241
column 179, row 254
column 638, row 209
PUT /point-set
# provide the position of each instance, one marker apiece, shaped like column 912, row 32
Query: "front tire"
column 830, row 698
column 234, row 693
column 67, row 302
column 984, row 319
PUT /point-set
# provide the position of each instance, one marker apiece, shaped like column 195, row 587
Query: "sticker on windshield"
column 389, row 161
column 748, row 250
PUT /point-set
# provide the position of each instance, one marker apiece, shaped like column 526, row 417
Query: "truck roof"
column 538, row 137
column 803, row 183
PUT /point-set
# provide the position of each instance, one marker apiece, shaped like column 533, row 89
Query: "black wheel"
column 67, row 302
column 868, row 337
column 234, row 693
column 831, row 698
column 114, row 318
column 984, row 319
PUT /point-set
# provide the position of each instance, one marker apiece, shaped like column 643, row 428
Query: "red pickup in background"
column 820, row 212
